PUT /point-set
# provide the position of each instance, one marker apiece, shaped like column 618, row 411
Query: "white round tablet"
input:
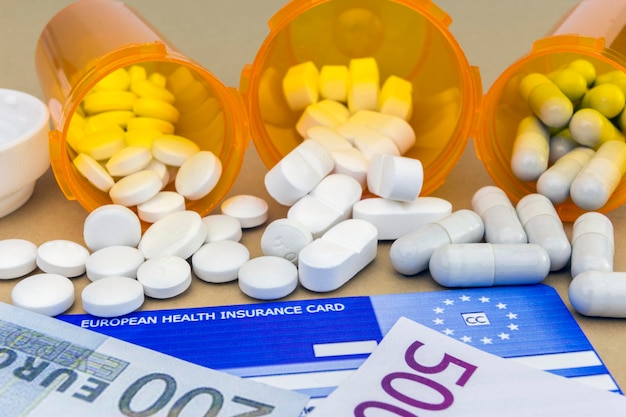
column 111, row 225
column 219, row 261
column 198, row 175
column 136, row 188
column 159, row 206
column 268, row 278
column 114, row 261
column 112, row 296
column 251, row 211
column 178, row 234
column 62, row 257
column 164, row 276
column 18, row 257
column 222, row 227
column 285, row 238
column 48, row 294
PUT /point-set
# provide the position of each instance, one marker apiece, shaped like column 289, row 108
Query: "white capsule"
column 394, row 219
column 395, row 177
column 499, row 216
column 411, row 253
column 560, row 144
column 599, row 294
column 556, row 181
column 595, row 183
column 487, row 264
column 342, row 252
column 327, row 204
column 544, row 227
column 531, row 149
column 592, row 244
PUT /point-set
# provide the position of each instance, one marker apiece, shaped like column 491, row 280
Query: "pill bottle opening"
column 504, row 108
column 408, row 39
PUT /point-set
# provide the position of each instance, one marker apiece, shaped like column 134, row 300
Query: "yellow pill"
column 301, row 85
column 334, row 82
column 150, row 123
column 591, row 128
column 137, row 72
column 586, row 68
column 93, row 172
column 529, row 82
column 570, row 82
column 191, row 97
column 141, row 137
column 75, row 130
column 148, row 89
column 101, row 145
column 364, row 84
column 271, row 100
column 98, row 125
column 158, row 79
column 607, row 98
column 613, row 77
column 550, row 105
column 180, row 78
column 101, row 101
column 150, row 107
column 396, row 97
column 118, row 80
column 103, row 120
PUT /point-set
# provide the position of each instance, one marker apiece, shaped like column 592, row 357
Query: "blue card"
column 311, row 346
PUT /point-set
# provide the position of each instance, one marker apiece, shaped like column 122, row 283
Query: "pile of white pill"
column 573, row 143
column 123, row 140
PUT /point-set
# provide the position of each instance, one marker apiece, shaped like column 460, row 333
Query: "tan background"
column 224, row 36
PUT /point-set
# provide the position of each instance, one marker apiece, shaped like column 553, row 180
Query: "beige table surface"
column 223, row 36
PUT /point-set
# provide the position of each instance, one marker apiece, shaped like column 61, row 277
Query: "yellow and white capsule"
column 301, row 85
column 571, row 82
column 555, row 183
column 529, row 82
column 586, row 68
column 596, row 182
column 590, row 128
column 560, row 144
column 531, row 149
column 550, row 105
column 607, row 98
column 396, row 97
column 616, row 77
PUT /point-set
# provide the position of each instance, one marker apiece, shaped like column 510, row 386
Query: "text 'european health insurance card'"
column 312, row 346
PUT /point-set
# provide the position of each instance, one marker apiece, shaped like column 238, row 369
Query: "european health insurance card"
column 312, row 346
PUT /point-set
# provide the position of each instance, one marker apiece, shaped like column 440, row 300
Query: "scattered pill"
column 179, row 234
column 47, row 294
column 285, row 238
column 298, row 172
column 487, row 264
column 198, row 175
column 300, row 85
column 113, row 261
column 592, row 244
column 159, row 206
column 597, row 180
column 222, row 227
column 164, row 276
column 173, row 149
column 251, row 211
column 335, row 258
column 544, row 227
column 62, row 257
column 599, row 294
column 531, row 149
column 590, row 128
column 395, row 177
column 219, row 261
column 410, row 254
column 128, row 160
column 327, row 204
column 112, row 296
column 18, row 257
column 556, row 181
column 394, row 219
column 499, row 216
column 136, row 188
column 111, row 225
column 268, row 278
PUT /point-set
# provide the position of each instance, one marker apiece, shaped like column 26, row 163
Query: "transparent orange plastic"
column 408, row 38
column 594, row 30
column 91, row 38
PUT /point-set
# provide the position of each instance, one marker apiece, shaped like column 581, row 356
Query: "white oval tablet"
column 114, row 261
column 159, row 206
column 173, row 150
column 62, row 257
column 395, row 177
column 112, row 296
column 251, row 211
column 111, row 225
column 178, row 234
column 18, row 257
column 219, row 262
column 48, row 294
column 136, row 188
column 198, row 175
column 285, row 238
column 128, row 160
column 268, row 278
column 222, row 227
column 164, row 276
